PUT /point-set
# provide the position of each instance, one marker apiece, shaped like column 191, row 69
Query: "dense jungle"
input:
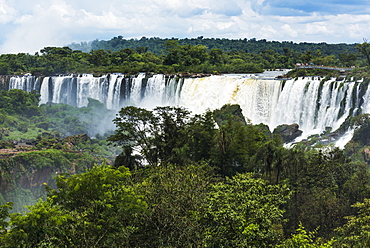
column 166, row 177
column 181, row 56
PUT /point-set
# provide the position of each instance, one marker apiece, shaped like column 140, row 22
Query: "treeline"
column 176, row 56
column 183, row 181
column 155, row 45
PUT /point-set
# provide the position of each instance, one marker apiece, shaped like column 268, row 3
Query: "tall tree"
column 93, row 209
column 164, row 135
column 356, row 232
column 244, row 212
column 175, row 195
column 364, row 49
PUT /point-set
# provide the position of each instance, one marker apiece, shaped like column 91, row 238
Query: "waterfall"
column 26, row 83
column 44, row 91
column 311, row 102
column 137, row 85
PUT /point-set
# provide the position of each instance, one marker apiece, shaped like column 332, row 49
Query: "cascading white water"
column 173, row 90
column 154, row 91
column 135, row 95
column 312, row 103
column 256, row 97
column 26, row 83
column 114, row 89
column 44, row 91
column 57, row 85
column 88, row 87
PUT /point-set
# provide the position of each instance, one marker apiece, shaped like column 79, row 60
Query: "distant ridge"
column 156, row 45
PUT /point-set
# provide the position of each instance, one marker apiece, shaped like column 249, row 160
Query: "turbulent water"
column 311, row 102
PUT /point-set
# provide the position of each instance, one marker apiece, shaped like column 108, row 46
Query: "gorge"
column 313, row 103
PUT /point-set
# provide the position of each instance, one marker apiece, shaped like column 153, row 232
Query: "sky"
column 30, row 25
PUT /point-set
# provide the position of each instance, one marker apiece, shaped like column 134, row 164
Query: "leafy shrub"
column 22, row 127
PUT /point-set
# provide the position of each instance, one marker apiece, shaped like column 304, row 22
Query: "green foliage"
column 4, row 214
column 244, row 212
column 155, row 45
column 303, row 238
column 364, row 49
column 185, row 199
column 19, row 102
column 93, row 209
column 164, row 135
column 33, row 168
column 176, row 56
column 322, row 192
column 356, row 232
column 175, row 196
column 22, row 127
column 228, row 111
column 69, row 120
column 45, row 158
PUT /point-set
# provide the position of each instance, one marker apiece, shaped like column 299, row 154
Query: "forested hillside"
column 38, row 143
column 155, row 45
column 181, row 56
column 180, row 180
column 167, row 177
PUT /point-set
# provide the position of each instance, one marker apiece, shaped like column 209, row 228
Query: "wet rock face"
column 232, row 111
column 4, row 82
column 362, row 135
column 288, row 132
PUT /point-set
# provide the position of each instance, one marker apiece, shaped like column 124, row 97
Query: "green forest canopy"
column 200, row 55
column 191, row 183
column 155, row 45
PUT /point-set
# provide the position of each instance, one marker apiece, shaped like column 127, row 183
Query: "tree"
column 4, row 214
column 319, row 181
column 20, row 102
column 186, row 55
column 136, row 129
column 356, row 232
column 236, row 141
column 269, row 160
column 4, row 68
column 172, row 134
column 216, row 56
column 364, row 49
column 244, row 212
column 56, row 51
column 303, row 238
column 347, row 59
column 99, row 58
column 165, row 135
column 92, row 209
column 230, row 153
column 174, row 195
column 306, row 57
column 202, row 130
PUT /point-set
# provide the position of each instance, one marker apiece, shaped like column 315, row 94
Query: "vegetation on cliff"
column 191, row 183
column 34, row 146
column 180, row 180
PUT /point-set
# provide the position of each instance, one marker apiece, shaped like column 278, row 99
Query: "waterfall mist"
column 312, row 102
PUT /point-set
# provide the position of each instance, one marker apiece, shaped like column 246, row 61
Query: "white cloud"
column 7, row 13
column 28, row 26
column 317, row 28
column 288, row 31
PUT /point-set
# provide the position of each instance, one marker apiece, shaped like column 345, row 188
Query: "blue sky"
column 28, row 26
